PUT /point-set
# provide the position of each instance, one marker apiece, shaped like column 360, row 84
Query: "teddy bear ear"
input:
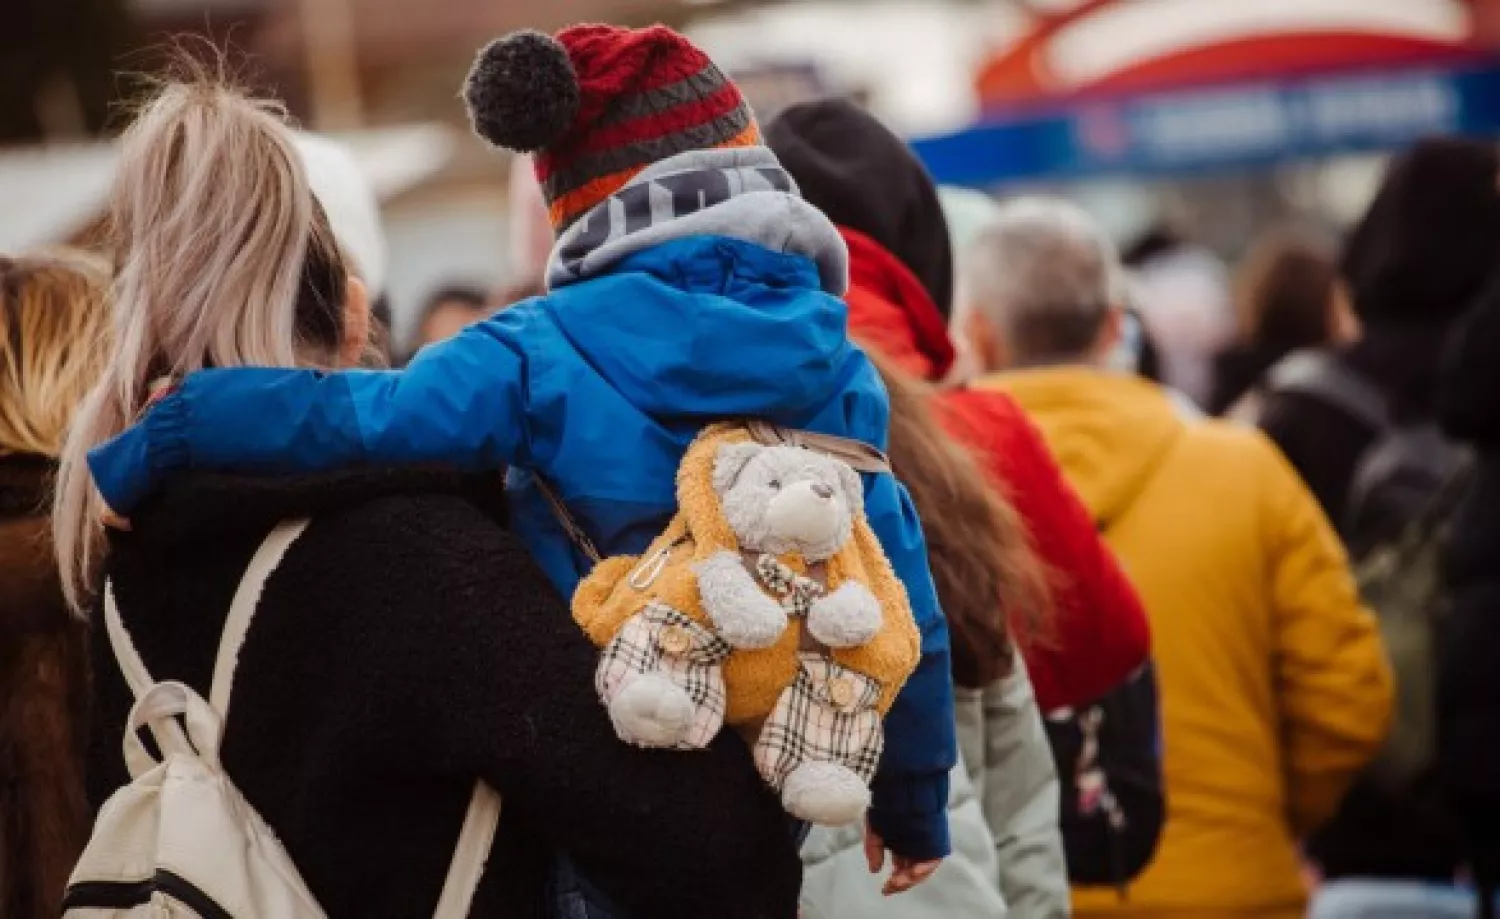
column 730, row 462
column 854, row 488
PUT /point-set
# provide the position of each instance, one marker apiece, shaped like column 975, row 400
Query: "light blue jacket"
column 1007, row 856
column 599, row 387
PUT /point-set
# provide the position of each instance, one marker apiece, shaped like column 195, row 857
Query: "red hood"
column 890, row 310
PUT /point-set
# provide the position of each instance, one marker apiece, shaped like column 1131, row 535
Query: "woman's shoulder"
column 985, row 419
column 1010, row 446
column 423, row 537
column 411, row 587
column 372, row 532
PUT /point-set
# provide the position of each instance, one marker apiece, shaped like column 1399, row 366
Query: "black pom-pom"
column 522, row 91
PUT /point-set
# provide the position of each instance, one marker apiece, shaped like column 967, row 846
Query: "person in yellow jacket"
column 1275, row 688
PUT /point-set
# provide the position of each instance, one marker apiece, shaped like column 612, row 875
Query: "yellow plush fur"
column 754, row 679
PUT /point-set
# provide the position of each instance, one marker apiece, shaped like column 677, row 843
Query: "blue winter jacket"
column 599, row 387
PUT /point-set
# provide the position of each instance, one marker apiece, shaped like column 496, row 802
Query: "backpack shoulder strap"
column 567, row 521
column 469, row 857
column 137, row 677
column 857, row 454
column 236, row 624
column 482, row 818
column 242, row 610
column 1324, row 377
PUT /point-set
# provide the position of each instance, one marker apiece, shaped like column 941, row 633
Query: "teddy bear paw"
column 652, row 711
column 846, row 618
column 825, row 793
column 741, row 612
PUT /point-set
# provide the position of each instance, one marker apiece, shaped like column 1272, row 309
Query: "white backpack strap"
column 242, row 610
column 473, row 851
column 483, row 816
column 137, row 677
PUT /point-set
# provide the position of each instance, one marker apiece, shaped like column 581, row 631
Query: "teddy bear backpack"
column 768, row 605
column 180, row 840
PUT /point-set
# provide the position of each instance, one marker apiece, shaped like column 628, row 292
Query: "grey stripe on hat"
column 753, row 200
column 589, row 167
column 629, row 106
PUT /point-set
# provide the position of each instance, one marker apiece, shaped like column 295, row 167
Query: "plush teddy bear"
column 768, row 604
column 780, row 500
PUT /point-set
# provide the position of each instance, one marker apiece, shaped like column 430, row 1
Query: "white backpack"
column 180, row 840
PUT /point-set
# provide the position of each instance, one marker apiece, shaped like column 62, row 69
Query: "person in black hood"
column 838, row 153
column 1413, row 266
column 1416, row 260
column 1468, row 751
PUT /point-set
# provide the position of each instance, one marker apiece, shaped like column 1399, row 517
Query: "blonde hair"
column 53, row 325
column 224, row 259
column 993, row 587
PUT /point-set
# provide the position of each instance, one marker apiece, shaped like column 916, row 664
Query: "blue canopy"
column 1236, row 125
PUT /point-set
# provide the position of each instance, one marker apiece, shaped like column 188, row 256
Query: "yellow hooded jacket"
column 754, row 679
column 1275, row 689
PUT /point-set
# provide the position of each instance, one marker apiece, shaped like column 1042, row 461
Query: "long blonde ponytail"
column 224, row 259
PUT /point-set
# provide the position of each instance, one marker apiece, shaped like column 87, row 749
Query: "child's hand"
column 906, row 873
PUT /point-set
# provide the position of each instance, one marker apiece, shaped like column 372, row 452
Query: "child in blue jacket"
column 690, row 283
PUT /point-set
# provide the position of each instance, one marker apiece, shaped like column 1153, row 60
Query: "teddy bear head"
column 780, row 499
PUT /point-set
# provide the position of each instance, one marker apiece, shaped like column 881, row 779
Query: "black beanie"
column 863, row 177
column 1431, row 238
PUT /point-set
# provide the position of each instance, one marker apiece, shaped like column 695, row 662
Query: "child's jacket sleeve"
column 461, row 403
column 910, row 790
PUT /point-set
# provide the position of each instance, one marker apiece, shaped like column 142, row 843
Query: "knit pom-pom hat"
column 597, row 104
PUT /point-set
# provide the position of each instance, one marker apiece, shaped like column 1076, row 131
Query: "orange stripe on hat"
column 581, row 200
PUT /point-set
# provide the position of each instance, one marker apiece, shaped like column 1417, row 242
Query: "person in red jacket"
column 901, row 286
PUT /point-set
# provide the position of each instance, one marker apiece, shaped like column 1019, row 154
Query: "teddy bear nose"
column 822, row 491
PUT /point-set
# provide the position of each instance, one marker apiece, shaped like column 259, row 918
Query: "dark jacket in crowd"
column 1414, row 263
column 43, row 704
column 1418, row 259
column 1468, row 680
column 1324, row 442
column 406, row 646
column 1238, row 371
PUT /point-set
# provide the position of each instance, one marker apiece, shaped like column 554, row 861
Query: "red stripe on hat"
column 678, row 118
column 610, row 61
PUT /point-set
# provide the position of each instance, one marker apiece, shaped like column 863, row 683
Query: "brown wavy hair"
column 993, row 587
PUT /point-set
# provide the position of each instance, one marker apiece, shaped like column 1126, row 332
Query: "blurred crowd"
column 1215, row 545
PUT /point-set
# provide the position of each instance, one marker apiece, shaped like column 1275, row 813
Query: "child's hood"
column 706, row 286
column 709, row 327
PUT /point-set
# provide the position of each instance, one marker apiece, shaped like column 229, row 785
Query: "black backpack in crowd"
column 1403, row 496
column 1113, row 802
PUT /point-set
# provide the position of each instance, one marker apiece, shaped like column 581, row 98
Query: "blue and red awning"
column 1152, row 86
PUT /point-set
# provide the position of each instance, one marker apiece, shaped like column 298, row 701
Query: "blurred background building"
column 1204, row 119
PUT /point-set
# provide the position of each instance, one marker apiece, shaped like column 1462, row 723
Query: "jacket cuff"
column 127, row 468
column 910, row 812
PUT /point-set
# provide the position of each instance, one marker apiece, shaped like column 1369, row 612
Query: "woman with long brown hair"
column 901, row 293
column 52, row 329
column 997, row 598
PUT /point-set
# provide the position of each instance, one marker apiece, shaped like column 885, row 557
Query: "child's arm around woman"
column 461, row 403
